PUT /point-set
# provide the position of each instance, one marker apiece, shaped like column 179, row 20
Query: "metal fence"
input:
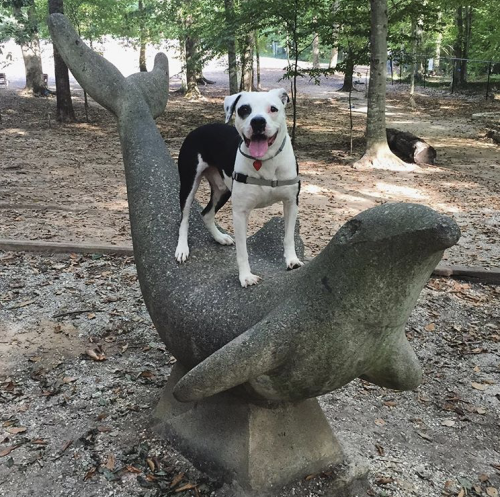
column 481, row 75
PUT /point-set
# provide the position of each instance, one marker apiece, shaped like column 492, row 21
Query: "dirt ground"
column 82, row 365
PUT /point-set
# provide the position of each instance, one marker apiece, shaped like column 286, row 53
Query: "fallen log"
column 409, row 147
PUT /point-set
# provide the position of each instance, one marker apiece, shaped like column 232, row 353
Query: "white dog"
column 254, row 161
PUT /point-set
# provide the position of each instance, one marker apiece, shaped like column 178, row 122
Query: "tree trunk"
column 466, row 43
column 257, row 61
column 349, row 72
column 142, row 55
column 458, row 48
column 192, row 90
column 437, row 53
column 315, row 51
column 413, row 55
column 31, row 53
column 65, row 112
column 377, row 152
column 247, row 64
column 142, row 42
column 231, row 47
column 334, row 58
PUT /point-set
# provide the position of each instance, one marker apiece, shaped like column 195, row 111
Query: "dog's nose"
column 258, row 124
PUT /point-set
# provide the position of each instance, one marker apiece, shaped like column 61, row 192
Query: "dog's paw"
column 249, row 280
column 224, row 239
column 181, row 253
column 294, row 263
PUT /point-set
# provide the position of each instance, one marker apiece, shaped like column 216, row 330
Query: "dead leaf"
column 461, row 493
column 187, row 486
column 8, row 450
column 147, row 374
column 390, row 403
column 177, row 479
column 430, row 327
column 380, row 449
column 133, row 469
column 90, row 473
column 39, row 441
column 66, row 445
column 492, row 491
column 383, row 480
column 425, row 436
column 483, row 477
column 479, row 386
column 448, row 422
column 15, row 430
column 380, row 422
column 96, row 355
column 110, row 462
column 480, row 410
column 151, row 464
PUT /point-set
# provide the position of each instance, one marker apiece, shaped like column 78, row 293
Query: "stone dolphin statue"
column 295, row 335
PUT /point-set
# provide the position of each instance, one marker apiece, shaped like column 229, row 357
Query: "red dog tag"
column 257, row 164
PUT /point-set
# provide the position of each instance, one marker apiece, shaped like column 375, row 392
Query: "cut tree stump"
column 409, row 147
column 494, row 135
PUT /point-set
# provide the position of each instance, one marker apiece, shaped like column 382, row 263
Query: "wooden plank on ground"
column 473, row 274
column 63, row 247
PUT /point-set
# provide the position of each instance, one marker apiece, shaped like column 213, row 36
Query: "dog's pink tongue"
column 258, row 148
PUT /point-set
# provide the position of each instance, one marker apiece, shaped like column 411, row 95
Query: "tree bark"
column 257, row 61
column 315, row 51
column 191, row 65
column 231, row 47
column 334, row 58
column 348, row 86
column 458, row 47
column 192, row 90
column 413, row 55
column 142, row 42
column 437, row 53
column 31, row 53
column 65, row 112
column 377, row 152
column 247, row 64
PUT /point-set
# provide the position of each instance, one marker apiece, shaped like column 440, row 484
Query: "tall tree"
column 25, row 32
column 232, row 60
column 142, row 39
column 65, row 112
column 247, row 63
column 378, row 153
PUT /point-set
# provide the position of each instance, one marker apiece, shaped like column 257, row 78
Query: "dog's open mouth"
column 258, row 145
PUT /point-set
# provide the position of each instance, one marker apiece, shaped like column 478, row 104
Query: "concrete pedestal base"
column 260, row 447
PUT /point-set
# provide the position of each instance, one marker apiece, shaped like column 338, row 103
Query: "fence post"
column 425, row 68
column 488, row 80
column 453, row 75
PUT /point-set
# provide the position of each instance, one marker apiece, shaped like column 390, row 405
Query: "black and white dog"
column 253, row 161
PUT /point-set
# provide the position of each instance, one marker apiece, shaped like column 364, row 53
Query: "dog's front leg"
column 240, row 224
column 290, row 211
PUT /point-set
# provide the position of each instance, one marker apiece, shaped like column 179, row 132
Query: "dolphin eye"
column 273, row 109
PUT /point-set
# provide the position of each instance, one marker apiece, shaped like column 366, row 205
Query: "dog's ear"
column 282, row 94
column 230, row 104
